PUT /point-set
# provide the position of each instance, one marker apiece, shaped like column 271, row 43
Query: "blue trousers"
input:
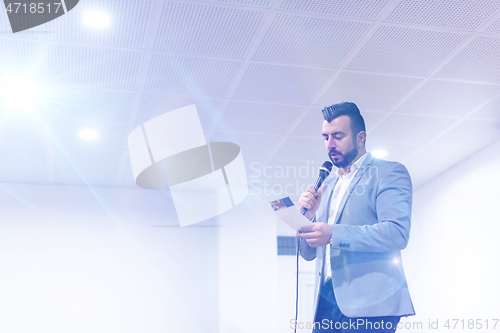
column 330, row 319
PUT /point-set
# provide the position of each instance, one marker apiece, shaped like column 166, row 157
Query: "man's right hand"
column 310, row 200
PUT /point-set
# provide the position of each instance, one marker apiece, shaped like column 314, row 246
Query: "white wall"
column 452, row 261
column 73, row 260
column 248, row 268
column 79, row 260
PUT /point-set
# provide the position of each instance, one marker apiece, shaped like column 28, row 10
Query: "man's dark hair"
column 346, row 109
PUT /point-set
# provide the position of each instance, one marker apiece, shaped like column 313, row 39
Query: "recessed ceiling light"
column 89, row 135
column 19, row 93
column 96, row 19
column 379, row 153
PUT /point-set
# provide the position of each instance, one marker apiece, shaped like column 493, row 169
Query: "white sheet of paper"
column 293, row 217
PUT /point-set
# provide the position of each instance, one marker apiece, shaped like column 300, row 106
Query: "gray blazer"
column 371, row 228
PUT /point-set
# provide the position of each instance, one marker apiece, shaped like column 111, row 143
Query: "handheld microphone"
column 324, row 172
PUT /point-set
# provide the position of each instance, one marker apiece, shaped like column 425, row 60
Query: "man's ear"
column 361, row 138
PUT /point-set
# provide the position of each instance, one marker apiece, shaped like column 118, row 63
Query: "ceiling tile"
column 312, row 122
column 302, row 149
column 253, row 146
column 309, row 40
column 87, row 104
column 25, row 131
column 371, row 92
column 85, row 160
column 490, row 111
column 203, row 78
column 23, row 156
column 479, row 61
column 18, row 57
column 94, row 179
column 494, row 28
column 209, row 30
column 457, row 14
column 89, row 67
column 446, row 98
column 471, row 133
column 371, row 119
column 368, row 9
column 153, row 105
column 401, row 128
column 259, row 118
column 129, row 20
column 66, row 133
column 398, row 152
column 440, row 157
column 36, row 175
column 285, row 84
column 258, row 3
column 405, row 51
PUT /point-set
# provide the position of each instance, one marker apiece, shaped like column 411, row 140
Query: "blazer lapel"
column 362, row 169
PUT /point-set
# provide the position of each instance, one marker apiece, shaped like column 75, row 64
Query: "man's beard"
column 344, row 160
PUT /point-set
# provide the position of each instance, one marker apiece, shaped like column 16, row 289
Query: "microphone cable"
column 324, row 172
column 297, row 288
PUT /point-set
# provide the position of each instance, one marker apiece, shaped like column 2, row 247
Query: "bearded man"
column 362, row 218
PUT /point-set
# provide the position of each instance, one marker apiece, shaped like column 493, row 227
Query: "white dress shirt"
column 338, row 193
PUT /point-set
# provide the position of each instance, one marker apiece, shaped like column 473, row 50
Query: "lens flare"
column 96, row 19
column 89, row 135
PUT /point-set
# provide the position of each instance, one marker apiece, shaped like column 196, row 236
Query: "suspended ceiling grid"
column 425, row 75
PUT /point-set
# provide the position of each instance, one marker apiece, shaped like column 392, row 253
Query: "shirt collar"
column 355, row 166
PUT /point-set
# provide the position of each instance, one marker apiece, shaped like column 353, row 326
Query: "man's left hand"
column 316, row 234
